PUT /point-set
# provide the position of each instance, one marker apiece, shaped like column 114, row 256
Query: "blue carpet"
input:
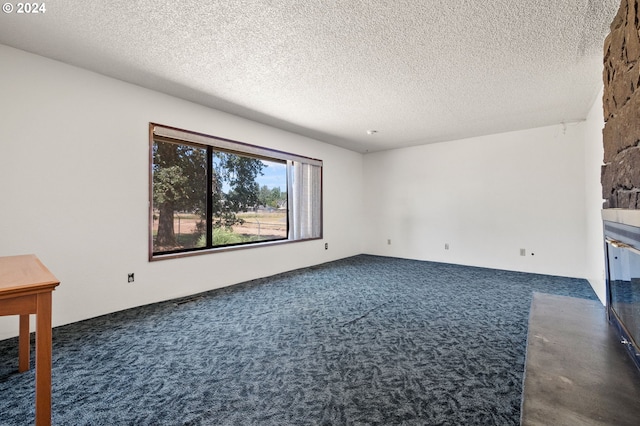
column 361, row 341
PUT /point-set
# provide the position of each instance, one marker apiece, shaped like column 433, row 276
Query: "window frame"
column 186, row 137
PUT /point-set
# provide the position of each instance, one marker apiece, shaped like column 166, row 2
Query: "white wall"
column 487, row 197
column 74, row 189
column 594, row 154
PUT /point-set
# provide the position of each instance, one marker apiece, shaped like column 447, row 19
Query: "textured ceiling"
column 417, row 71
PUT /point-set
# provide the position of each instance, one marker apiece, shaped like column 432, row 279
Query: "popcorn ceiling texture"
column 418, row 71
column 621, row 172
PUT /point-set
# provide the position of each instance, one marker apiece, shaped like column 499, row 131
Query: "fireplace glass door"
column 624, row 286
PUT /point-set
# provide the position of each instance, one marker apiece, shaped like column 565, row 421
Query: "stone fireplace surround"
column 621, row 102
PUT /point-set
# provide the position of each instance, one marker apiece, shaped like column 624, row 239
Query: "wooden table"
column 25, row 288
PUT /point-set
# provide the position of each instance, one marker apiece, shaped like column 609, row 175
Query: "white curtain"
column 305, row 210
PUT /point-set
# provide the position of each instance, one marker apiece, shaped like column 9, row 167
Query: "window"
column 209, row 194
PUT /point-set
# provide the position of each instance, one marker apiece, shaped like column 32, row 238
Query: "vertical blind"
column 306, row 200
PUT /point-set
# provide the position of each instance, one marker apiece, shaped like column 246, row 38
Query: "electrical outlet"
column 326, row 246
column 389, row 242
column 130, row 278
column 446, row 246
column 523, row 252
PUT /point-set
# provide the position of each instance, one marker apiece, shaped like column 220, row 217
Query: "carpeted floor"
column 361, row 341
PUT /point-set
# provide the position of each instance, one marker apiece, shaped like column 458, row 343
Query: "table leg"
column 43, row 359
column 24, row 343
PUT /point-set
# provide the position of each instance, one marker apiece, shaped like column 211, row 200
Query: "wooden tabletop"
column 24, row 273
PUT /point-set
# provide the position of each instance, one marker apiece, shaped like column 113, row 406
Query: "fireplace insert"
column 622, row 243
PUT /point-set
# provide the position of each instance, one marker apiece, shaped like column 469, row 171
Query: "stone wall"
column 621, row 172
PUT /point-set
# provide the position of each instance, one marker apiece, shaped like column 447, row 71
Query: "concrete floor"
column 577, row 372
